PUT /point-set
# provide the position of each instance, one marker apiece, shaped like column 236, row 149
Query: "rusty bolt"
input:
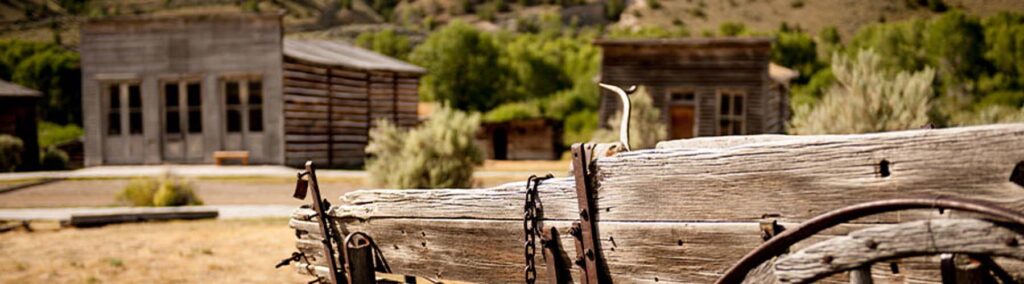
column 871, row 244
column 827, row 259
column 1011, row 241
column 584, row 215
column 590, row 254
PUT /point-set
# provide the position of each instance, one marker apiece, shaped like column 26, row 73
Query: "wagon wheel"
column 978, row 238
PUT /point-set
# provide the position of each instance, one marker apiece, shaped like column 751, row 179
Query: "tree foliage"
column 867, row 98
column 52, row 70
column 10, row 152
column 646, row 128
column 463, row 69
column 441, row 153
column 386, row 42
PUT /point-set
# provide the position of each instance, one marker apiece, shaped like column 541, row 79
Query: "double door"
column 182, row 122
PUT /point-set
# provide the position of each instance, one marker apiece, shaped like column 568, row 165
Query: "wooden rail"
column 685, row 213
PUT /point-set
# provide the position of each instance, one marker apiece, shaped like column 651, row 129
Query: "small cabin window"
column 243, row 105
column 124, row 100
column 731, row 112
column 114, row 110
column 183, row 106
column 683, row 98
column 195, row 108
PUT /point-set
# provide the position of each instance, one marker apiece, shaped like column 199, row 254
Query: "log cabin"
column 18, row 119
column 177, row 89
column 703, row 86
column 521, row 139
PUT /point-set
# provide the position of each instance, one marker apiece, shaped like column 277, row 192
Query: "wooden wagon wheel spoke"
column 887, row 242
column 781, row 243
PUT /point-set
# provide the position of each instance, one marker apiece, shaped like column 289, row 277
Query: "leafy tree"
column 48, row 68
column 441, row 153
column 1004, row 47
column 613, row 9
column 867, row 98
column 386, row 42
column 463, row 68
column 646, row 128
column 10, row 152
column 796, row 50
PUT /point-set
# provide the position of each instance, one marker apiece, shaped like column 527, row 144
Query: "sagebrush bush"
column 440, row 153
column 865, row 98
column 646, row 128
column 10, row 152
column 54, row 159
column 166, row 191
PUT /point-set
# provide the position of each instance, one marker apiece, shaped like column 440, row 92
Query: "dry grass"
column 232, row 251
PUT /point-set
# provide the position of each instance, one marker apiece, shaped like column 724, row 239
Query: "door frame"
column 669, row 103
column 183, row 121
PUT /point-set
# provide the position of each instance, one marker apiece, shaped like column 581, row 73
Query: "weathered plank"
column 792, row 179
column 926, row 237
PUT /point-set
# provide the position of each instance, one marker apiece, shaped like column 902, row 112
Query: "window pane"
column 194, row 96
column 173, row 122
column 723, row 127
column 724, row 104
column 737, row 128
column 135, row 122
column 134, row 97
column 115, row 97
column 737, row 105
column 234, row 120
column 255, row 119
column 114, row 123
column 171, row 94
column 232, row 93
column 687, row 97
column 255, row 93
column 195, row 121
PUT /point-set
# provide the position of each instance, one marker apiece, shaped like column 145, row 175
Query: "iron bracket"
column 585, row 232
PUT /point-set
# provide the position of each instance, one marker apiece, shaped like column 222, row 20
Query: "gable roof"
column 339, row 53
column 8, row 89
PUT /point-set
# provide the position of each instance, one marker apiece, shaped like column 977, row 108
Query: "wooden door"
column 682, row 113
column 682, row 121
column 183, row 122
column 123, row 142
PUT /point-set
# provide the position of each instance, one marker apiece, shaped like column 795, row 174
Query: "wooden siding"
column 329, row 110
column 152, row 50
column 704, row 68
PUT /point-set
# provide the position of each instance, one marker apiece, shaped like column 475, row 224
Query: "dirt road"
column 221, row 251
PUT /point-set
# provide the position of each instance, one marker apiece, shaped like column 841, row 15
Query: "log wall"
column 684, row 213
column 329, row 110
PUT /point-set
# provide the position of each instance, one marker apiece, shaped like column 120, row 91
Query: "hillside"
column 38, row 19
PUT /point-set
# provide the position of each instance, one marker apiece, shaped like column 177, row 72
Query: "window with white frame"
column 731, row 113
column 124, row 100
column 243, row 104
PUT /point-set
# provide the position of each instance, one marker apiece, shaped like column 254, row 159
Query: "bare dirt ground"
column 103, row 192
column 213, row 251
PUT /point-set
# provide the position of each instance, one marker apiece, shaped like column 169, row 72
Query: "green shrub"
column 441, row 153
column 175, row 192
column 54, row 159
column 646, row 128
column 10, row 152
column 613, row 9
column 866, row 98
column 386, row 42
column 54, row 134
column 732, row 29
column 139, row 192
column 166, row 191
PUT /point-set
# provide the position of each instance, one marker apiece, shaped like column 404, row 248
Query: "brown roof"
column 339, row 53
column 689, row 42
column 8, row 89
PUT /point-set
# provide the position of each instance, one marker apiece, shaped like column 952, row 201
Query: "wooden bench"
column 220, row 156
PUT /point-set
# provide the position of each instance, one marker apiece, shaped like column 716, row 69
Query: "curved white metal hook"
column 624, row 124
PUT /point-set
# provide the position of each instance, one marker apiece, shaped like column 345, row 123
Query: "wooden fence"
column 686, row 211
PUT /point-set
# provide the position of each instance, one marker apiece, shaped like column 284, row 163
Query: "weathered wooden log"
column 686, row 214
column 925, row 237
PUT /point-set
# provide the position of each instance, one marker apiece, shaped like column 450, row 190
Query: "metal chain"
column 531, row 225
